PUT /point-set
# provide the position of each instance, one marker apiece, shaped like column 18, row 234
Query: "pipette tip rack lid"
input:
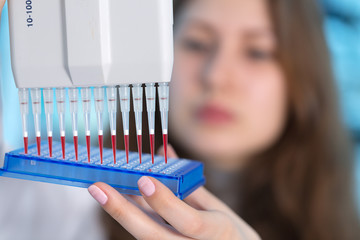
column 181, row 176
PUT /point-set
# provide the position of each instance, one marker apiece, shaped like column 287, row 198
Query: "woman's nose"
column 217, row 71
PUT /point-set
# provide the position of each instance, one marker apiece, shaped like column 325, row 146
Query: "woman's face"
column 228, row 94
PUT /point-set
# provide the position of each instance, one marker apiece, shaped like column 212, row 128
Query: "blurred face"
column 228, row 99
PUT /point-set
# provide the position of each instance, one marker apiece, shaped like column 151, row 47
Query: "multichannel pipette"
column 86, row 104
column 164, row 110
column 74, row 105
column 61, row 108
column 36, row 106
column 24, row 110
column 138, row 109
column 112, row 107
column 150, row 92
column 117, row 51
column 99, row 95
column 124, row 92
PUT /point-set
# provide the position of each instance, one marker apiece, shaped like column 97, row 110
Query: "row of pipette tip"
column 99, row 100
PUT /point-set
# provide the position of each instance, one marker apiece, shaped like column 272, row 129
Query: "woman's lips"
column 214, row 115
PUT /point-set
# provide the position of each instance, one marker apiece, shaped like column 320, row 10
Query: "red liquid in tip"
column 26, row 144
column 63, row 146
column 139, row 141
column 152, row 142
column 113, row 143
column 76, row 147
column 165, row 141
column 88, row 147
column 101, row 148
column 126, row 141
column 50, row 146
column 38, row 143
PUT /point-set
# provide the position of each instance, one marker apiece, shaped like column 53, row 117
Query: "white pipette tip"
column 24, row 110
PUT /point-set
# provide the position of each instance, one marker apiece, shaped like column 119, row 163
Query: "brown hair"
column 302, row 188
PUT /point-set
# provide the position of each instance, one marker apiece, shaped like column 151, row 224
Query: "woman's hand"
column 199, row 216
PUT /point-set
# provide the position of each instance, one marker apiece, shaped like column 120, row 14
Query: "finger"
column 177, row 213
column 170, row 150
column 142, row 204
column 136, row 222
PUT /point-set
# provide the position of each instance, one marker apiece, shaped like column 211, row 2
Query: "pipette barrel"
column 164, row 110
column 138, row 108
column 36, row 106
column 24, row 110
column 49, row 112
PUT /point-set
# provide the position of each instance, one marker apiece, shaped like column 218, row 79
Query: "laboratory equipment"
column 100, row 49
column 181, row 176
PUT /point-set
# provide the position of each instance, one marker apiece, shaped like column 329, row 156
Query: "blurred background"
column 342, row 28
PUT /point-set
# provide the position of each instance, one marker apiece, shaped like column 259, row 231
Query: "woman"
column 253, row 97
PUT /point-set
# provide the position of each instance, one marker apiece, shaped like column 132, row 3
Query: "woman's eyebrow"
column 252, row 34
column 199, row 24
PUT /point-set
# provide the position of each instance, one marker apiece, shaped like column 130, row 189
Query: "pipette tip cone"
column 50, row 146
column 76, row 147
column 165, row 141
column 152, row 143
column 38, row 143
column 113, row 143
column 126, row 141
column 139, row 142
column 88, row 147
column 63, row 146
column 101, row 148
column 26, row 144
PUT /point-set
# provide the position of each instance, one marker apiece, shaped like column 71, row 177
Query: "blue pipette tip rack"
column 181, row 176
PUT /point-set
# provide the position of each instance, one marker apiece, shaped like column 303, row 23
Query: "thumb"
column 170, row 150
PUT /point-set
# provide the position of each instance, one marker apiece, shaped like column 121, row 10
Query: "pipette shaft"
column 112, row 107
column 74, row 105
column 99, row 95
column 61, row 108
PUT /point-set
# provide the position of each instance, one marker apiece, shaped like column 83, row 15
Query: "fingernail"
column 146, row 186
column 98, row 194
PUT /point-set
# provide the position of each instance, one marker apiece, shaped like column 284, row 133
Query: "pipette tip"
column 139, row 142
column 152, row 142
column 50, row 146
column 126, row 141
column 76, row 147
column 101, row 148
column 38, row 143
column 113, row 143
column 88, row 147
column 26, row 144
column 63, row 146
column 165, row 141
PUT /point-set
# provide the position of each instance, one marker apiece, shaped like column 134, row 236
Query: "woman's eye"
column 258, row 55
column 196, row 46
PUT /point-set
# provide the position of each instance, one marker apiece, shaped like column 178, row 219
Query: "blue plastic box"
column 182, row 176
